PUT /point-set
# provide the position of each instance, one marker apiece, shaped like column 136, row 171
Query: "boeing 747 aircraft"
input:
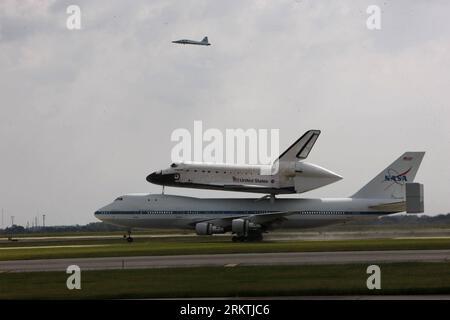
column 204, row 42
column 292, row 175
column 391, row 191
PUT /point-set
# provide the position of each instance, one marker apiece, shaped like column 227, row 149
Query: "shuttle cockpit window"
column 119, row 199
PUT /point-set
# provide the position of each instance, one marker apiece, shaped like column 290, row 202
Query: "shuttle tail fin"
column 390, row 183
column 300, row 149
column 205, row 40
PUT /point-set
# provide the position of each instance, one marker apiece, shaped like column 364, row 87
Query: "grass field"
column 202, row 245
column 96, row 233
column 402, row 278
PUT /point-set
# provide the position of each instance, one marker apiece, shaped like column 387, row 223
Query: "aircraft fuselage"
column 198, row 43
column 288, row 178
column 168, row 211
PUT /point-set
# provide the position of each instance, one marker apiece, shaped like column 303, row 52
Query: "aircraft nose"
column 98, row 215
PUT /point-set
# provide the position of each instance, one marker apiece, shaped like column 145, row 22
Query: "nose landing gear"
column 128, row 236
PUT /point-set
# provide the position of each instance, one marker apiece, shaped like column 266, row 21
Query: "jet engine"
column 206, row 228
column 243, row 227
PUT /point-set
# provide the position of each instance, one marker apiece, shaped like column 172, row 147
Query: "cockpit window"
column 119, row 199
column 173, row 165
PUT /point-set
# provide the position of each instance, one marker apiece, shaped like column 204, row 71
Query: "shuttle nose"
column 158, row 177
column 153, row 177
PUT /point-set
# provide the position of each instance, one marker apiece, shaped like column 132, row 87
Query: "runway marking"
column 55, row 247
column 230, row 265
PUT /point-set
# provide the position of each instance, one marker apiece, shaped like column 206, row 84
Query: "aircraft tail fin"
column 205, row 40
column 300, row 149
column 390, row 183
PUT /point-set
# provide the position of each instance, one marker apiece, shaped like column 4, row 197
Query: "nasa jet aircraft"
column 204, row 42
column 391, row 191
column 292, row 174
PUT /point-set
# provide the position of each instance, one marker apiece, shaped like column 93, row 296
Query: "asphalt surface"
column 425, row 233
column 228, row 260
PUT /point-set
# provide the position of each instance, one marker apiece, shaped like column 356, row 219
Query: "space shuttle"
column 393, row 190
column 289, row 173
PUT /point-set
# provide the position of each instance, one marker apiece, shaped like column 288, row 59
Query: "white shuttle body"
column 291, row 173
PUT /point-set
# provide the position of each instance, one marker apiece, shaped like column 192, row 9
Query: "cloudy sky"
column 85, row 115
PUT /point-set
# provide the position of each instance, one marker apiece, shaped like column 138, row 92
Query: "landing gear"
column 128, row 236
column 238, row 239
column 258, row 237
column 251, row 237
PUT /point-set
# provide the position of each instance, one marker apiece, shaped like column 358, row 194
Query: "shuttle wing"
column 236, row 186
column 243, row 186
column 247, row 188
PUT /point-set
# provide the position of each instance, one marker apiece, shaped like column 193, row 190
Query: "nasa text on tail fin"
column 390, row 183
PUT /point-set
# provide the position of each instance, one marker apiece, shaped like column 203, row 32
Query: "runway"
column 228, row 260
column 426, row 233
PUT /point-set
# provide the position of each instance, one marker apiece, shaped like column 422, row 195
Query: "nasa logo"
column 393, row 176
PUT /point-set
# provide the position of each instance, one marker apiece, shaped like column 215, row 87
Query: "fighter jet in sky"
column 204, row 42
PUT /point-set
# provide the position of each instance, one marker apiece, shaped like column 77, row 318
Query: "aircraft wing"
column 265, row 219
column 270, row 217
